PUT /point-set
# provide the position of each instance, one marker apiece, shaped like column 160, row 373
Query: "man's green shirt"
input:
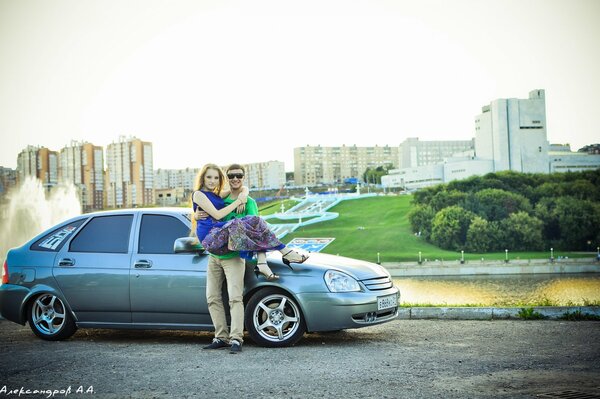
column 251, row 210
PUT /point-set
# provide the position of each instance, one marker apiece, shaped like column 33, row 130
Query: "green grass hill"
column 380, row 224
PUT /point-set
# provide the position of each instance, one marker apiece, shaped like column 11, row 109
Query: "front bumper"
column 12, row 301
column 337, row 311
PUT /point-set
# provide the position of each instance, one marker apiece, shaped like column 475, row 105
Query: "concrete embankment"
column 489, row 313
column 483, row 267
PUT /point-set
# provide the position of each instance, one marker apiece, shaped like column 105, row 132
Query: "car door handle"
column 143, row 264
column 66, row 262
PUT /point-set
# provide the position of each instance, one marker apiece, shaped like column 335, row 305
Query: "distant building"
column 8, row 180
column 38, row 162
column 512, row 133
column 83, row 165
column 590, row 149
column 171, row 196
column 332, row 165
column 265, row 175
column 129, row 174
column 561, row 161
column 414, row 153
column 174, row 186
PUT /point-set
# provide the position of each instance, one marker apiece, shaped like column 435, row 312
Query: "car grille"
column 378, row 284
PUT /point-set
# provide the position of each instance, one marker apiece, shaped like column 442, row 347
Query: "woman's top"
column 203, row 226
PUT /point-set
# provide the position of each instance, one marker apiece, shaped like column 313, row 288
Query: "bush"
column 484, row 236
column 522, row 232
column 450, row 226
column 420, row 219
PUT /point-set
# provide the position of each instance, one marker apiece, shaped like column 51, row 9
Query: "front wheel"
column 49, row 318
column 273, row 319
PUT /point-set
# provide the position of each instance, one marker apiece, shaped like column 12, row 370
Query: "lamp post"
column 420, row 258
column 378, row 260
column 551, row 254
column 462, row 256
column 598, row 254
column 506, row 256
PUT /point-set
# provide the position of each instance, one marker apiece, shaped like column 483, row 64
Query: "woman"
column 246, row 235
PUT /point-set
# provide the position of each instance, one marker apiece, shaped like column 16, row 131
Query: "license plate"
column 386, row 302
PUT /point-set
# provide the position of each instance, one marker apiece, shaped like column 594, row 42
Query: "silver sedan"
column 138, row 269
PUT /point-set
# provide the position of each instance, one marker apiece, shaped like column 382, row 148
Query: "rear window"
column 105, row 234
column 54, row 240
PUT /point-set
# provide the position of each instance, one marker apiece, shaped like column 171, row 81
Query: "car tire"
column 273, row 318
column 49, row 318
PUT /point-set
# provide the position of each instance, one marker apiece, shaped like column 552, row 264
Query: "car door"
column 166, row 287
column 92, row 271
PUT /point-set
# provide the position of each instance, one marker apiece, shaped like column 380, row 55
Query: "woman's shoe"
column 269, row 276
column 287, row 261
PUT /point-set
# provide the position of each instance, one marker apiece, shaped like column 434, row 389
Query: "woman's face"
column 211, row 179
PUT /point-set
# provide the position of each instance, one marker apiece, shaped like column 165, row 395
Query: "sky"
column 248, row 81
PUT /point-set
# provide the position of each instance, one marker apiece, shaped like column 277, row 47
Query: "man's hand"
column 241, row 208
column 200, row 214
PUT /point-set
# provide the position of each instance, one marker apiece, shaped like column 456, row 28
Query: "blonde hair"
column 199, row 184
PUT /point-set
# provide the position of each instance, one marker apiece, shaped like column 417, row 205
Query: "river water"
column 502, row 290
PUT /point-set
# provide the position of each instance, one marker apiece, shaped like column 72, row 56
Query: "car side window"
column 106, row 234
column 159, row 232
column 54, row 240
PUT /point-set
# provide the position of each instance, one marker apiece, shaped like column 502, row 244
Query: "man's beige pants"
column 231, row 270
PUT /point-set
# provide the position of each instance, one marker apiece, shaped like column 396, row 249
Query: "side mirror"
column 187, row 245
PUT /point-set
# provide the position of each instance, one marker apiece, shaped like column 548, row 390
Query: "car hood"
column 359, row 269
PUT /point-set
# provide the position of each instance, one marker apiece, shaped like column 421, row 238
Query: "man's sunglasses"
column 235, row 175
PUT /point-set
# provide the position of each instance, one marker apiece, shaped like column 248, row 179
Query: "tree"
column 373, row 175
column 522, row 232
column 479, row 238
column 578, row 221
column 446, row 198
column 494, row 204
column 450, row 226
column 420, row 219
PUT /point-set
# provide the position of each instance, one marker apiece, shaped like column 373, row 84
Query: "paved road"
column 402, row 359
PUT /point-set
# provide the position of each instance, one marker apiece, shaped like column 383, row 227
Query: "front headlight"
column 340, row 282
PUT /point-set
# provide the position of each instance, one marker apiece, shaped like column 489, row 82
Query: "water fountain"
column 29, row 211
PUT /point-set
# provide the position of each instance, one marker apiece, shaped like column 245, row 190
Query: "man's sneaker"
column 236, row 346
column 216, row 343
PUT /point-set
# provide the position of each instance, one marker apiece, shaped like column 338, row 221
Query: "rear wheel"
column 273, row 318
column 49, row 318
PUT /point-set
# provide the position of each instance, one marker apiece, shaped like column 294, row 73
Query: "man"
column 231, row 268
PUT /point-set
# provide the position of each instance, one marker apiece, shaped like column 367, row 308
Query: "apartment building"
column 174, row 186
column 38, row 162
column 129, row 179
column 414, row 152
column 315, row 165
column 265, row 175
column 82, row 164
column 8, row 180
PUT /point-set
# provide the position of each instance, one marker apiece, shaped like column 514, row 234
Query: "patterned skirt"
column 247, row 235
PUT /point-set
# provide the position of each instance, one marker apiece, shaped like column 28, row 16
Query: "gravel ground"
column 401, row 359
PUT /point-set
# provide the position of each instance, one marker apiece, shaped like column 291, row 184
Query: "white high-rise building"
column 512, row 133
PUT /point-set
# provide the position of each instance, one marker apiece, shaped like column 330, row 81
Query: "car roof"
column 179, row 210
